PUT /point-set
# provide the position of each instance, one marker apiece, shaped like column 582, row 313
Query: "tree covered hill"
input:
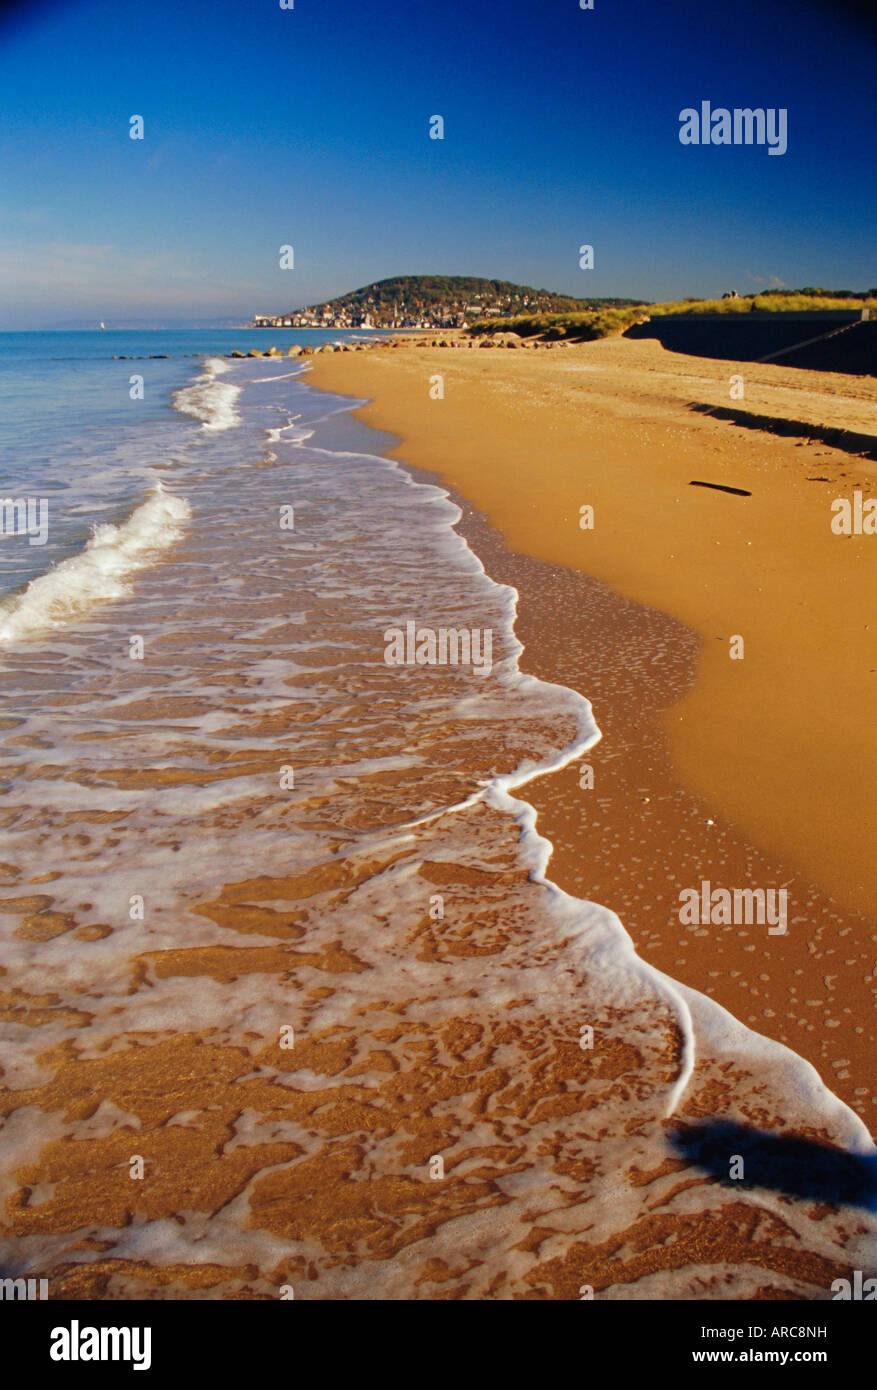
column 447, row 300
column 413, row 292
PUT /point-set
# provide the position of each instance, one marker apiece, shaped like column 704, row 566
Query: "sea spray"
column 100, row 572
column 209, row 400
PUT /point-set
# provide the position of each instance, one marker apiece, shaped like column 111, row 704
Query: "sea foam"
column 99, row 572
column 209, row 400
column 392, row 902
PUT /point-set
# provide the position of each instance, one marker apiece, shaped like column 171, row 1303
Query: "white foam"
column 462, row 750
column 701, row 1021
column 99, row 572
column 209, row 400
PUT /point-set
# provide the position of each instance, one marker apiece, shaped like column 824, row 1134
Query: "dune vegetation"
column 773, row 302
column 586, row 325
column 581, row 325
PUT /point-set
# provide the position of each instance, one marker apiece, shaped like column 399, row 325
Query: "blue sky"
column 309, row 127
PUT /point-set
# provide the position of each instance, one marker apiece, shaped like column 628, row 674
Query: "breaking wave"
column 209, row 400
column 99, row 572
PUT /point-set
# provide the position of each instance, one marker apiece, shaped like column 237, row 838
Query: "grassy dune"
column 581, row 325
column 586, row 325
column 794, row 303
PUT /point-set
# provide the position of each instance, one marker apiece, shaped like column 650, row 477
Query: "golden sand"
column 387, row 1090
column 752, row 772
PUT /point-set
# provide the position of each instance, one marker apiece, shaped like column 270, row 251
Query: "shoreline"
column 416, row 1037
column 644, row 832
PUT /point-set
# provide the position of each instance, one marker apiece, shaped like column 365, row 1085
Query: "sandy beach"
column 752, row 772
column 293, row 999
column 438, row 749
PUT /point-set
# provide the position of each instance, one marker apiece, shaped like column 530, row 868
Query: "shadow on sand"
column 863, row 445
column 782, row 1163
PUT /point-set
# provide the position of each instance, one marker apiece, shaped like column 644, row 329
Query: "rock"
column 505, row 339
column 273, row 352
column 254, row 352
column 236, row 353
column 294, row 350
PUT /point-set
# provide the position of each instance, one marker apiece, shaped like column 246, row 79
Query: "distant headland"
column 479, row 305
column 433, row 301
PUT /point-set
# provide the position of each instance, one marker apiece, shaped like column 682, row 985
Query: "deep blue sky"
column 310, row 127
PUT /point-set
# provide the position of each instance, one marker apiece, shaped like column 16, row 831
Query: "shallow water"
column 227, row 817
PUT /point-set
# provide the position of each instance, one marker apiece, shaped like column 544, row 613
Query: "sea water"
column 275, row 914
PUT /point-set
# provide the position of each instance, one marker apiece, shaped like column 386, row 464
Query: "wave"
column 209, row 400
column 409, row 783
column 99, row 572
column 703, row 1024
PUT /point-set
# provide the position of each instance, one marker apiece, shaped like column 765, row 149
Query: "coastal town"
column 421, row 301
column 320, row 317
column 333, row 315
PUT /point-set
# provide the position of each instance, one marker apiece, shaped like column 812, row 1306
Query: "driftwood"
column 720, row 487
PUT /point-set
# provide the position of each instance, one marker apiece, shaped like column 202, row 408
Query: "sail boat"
column 102, row 324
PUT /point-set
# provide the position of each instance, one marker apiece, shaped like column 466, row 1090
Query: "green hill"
column 437, row 301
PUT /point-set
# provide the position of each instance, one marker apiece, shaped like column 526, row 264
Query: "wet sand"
column 747, row 773
column 415, row 1038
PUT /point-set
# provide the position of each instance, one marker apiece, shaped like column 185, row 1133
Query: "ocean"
column 290, row 1001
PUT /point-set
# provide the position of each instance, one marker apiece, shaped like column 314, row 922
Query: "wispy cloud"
column 771, row 282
